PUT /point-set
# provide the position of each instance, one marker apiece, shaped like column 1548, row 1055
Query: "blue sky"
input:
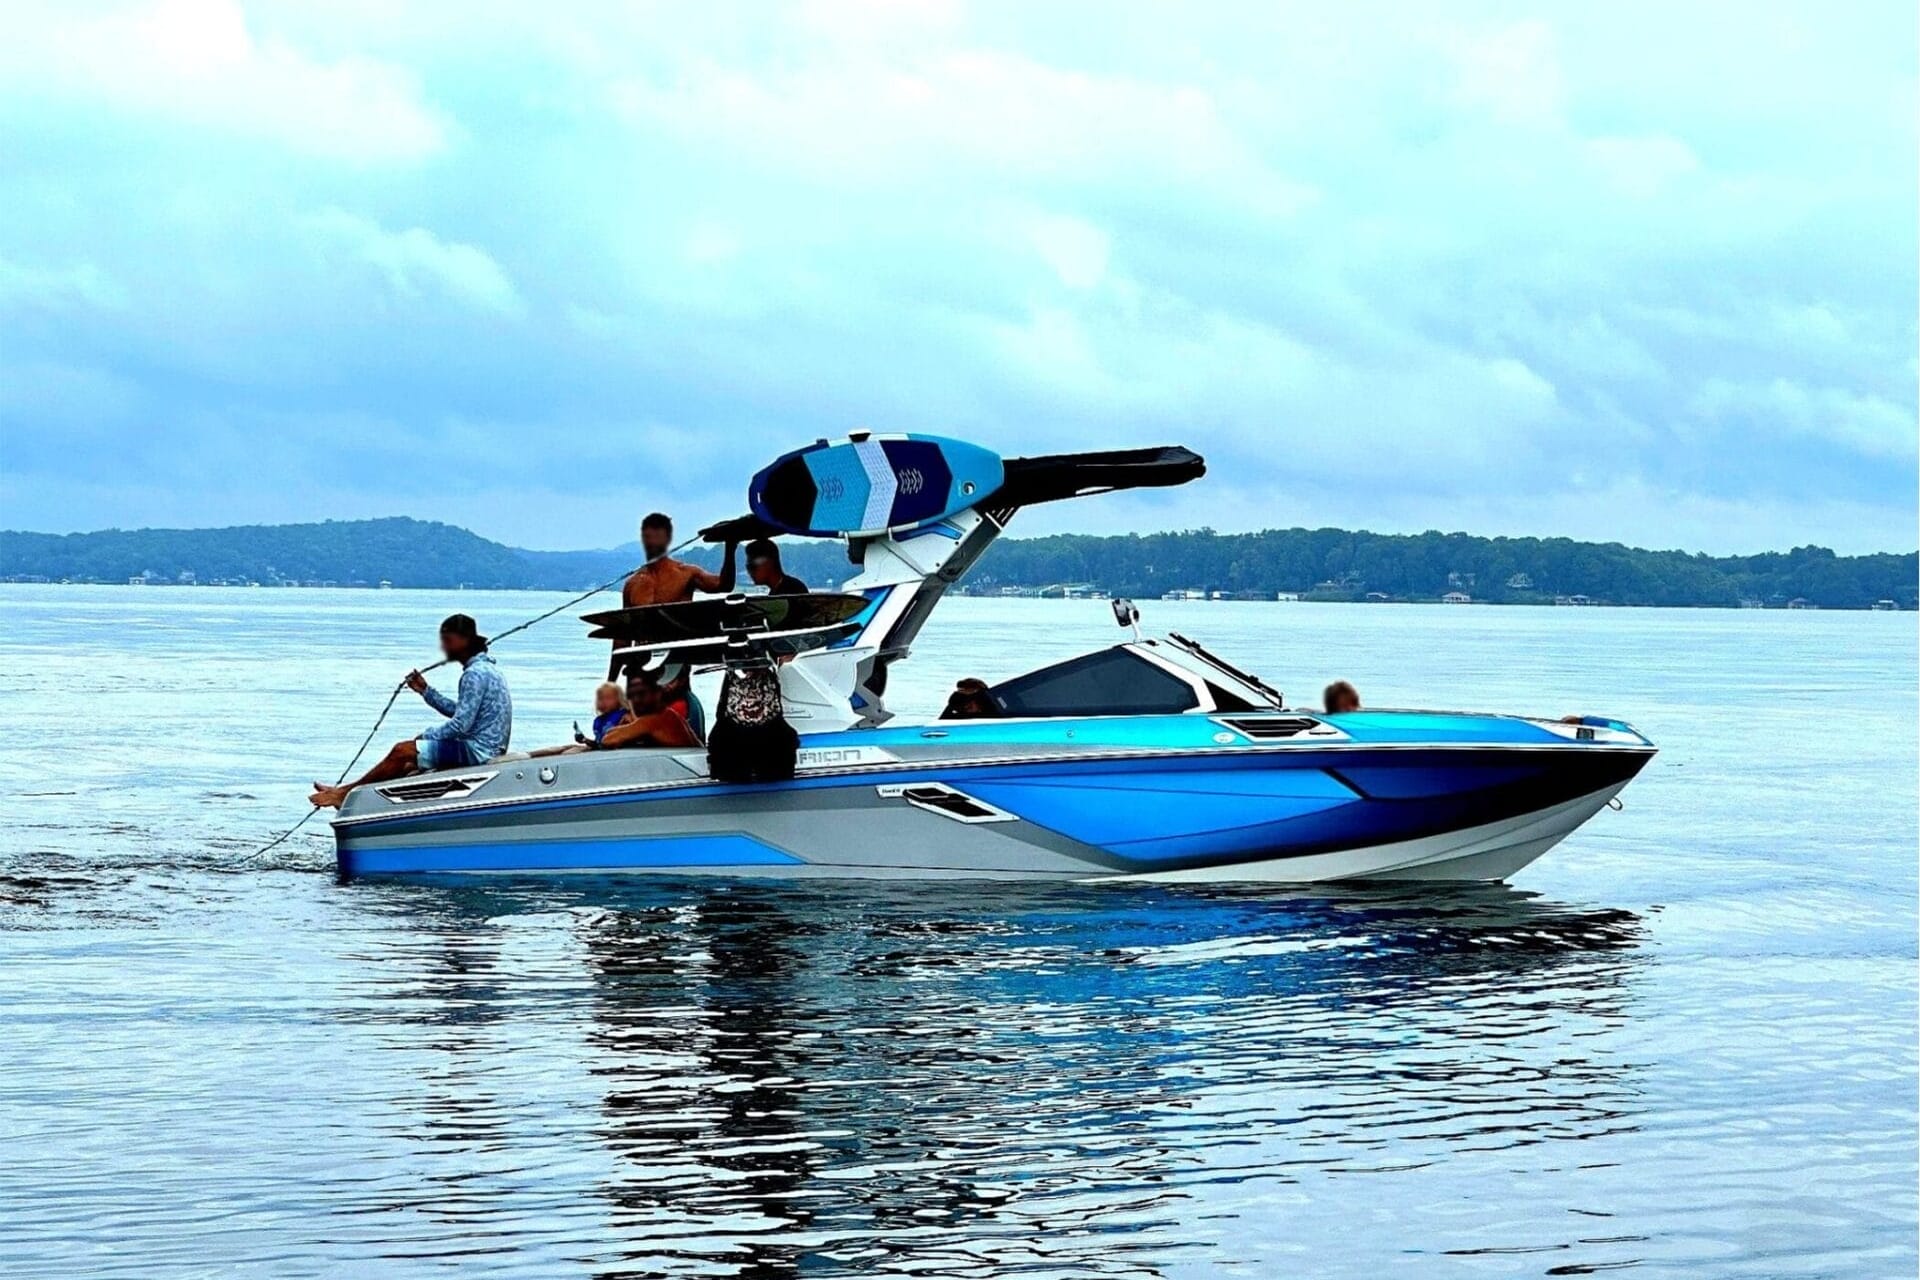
column 1634, row 272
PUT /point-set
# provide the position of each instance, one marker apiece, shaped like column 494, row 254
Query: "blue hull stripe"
column 1115, row 815
column 638, row 853
column 1227, row 774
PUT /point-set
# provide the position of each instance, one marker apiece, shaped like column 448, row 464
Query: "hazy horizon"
column 685, row 529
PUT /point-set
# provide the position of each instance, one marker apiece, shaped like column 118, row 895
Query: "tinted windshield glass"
column 1114, row 682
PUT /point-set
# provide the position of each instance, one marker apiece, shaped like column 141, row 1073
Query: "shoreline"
column 1024, row 597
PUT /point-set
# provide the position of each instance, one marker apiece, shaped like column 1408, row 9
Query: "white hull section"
column 1491, row 852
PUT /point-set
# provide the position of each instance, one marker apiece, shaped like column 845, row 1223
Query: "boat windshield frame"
column 1220, row 664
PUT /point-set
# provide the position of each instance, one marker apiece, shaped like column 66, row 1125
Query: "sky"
column 1633, row 272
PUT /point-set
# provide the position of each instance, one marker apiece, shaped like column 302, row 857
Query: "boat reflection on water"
column 1051, row 1079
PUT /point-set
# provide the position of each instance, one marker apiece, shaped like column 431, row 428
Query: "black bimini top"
column 1074, row 475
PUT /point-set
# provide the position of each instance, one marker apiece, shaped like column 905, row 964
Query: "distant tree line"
column 407, row 553
column 1315, row 563
column 1339, row 564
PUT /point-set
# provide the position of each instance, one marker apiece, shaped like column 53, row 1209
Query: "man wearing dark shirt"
column 763, row 566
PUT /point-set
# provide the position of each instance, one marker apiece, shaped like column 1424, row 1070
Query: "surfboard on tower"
column 870, row 484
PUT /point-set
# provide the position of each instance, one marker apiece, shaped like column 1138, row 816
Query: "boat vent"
column 1268, row 728
column 938, row 797
column 433, row 788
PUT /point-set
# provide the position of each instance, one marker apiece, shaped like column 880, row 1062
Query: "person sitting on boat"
column 676, row 684
column 763, row 566
column 1340, row 696
column 610, row 708
column 664, row 580
column 970, row 700
column 669, row 682
column 477, row 727
column 653, row 722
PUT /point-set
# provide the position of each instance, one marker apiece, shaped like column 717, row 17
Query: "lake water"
column 1681, row 1045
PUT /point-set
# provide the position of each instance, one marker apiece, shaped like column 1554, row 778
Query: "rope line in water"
column 401, row 688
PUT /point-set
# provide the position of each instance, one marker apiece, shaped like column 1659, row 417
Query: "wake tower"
column 904, row 569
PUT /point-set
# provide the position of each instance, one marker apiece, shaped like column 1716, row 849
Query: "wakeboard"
column 729, row 630
column 720, row 617
column 744, row 648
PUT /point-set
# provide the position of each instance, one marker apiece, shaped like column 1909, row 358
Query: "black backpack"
column 750, row 740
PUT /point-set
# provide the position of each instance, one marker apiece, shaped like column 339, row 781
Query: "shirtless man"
column 662, row 580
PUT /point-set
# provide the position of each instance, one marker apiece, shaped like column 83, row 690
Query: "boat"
column 1152, row 759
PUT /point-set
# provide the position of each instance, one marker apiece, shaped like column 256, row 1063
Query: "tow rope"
column 400, row 688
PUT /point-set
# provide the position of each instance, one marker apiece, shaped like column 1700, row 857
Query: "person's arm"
column 459, row 715
column 670, row 729
column 631, row 732
column 434, row 698
column 720, row 583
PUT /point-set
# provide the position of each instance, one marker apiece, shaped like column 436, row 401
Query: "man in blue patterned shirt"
column 477, row 727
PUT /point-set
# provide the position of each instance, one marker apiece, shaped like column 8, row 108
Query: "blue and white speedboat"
column 1149, row 760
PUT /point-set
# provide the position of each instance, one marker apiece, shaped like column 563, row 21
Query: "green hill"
column 1316, row 563
column 407, row 553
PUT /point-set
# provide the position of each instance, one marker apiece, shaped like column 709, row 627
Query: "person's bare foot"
column 326, row 797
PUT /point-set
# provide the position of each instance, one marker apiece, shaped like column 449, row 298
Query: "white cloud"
column 197, row 63
column 711, row 243
column 1388, row 261
column 1783, row 407
column 1641, row 167
column 1810, row 324
column 1511, row 72
column 83, row 284
column 415, row 261
column 849, row 111
column 1075, row 249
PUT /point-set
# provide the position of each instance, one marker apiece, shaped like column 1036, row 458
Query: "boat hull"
column 939, row 808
